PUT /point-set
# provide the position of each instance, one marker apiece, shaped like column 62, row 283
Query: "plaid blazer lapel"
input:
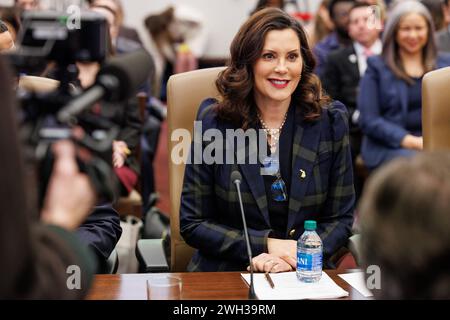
column 252, row 174
column 304, row 154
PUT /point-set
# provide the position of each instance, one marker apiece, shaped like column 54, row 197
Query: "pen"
column 126, row 150
column 269, row 279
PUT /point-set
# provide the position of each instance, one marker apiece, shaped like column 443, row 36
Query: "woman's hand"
column 412, row 142
column 269, row 263
column 70, row 195
column 284, row 249
column 120, row 153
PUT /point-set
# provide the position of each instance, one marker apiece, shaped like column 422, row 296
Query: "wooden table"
column 196, row 286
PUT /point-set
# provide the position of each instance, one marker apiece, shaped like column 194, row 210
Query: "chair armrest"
column 151, row 256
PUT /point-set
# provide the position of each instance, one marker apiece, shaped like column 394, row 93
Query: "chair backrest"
column 436, row 110
column 185, row 92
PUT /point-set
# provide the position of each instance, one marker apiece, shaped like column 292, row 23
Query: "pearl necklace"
column 274, row 133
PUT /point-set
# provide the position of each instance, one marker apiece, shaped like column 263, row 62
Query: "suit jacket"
column 383, row 103
column 443, row 40
column 341, row 77
column 321, row 189
column 323, row 49
column 101, row 231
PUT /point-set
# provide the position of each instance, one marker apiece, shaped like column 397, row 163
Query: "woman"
column 322, row 25
column 390, row 92
column 269, row 86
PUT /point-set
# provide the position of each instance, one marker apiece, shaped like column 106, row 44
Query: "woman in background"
column 322, row 25
column 390, row 99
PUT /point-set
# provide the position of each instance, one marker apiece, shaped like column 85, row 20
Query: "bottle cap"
column 310, row 225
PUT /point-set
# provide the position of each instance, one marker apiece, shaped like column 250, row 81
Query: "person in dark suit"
column 390, row 92
column 268, row 91
column 405, row 228
column 339, row 10
column 346, row 66
column 100, row 231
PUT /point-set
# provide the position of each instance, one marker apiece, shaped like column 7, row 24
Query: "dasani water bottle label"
column 308, row 261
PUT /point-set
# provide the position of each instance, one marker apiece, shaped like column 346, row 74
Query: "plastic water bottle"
column 309, row 254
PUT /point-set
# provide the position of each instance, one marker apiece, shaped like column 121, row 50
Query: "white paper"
column 288, row 287
column 356, row 280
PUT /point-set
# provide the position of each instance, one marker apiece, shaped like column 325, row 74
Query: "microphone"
column 116, row 81
column 236, row 177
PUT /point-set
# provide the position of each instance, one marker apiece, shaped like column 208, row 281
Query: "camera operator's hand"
column 120, row 153
column 70, row 195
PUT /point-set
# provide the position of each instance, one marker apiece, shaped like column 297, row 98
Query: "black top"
column 414, row 116
column 278, row 211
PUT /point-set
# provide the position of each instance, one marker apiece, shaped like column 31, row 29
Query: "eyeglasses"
column 278, row 189
column 271, row 167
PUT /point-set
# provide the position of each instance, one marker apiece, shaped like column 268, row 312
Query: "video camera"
column 67, row 113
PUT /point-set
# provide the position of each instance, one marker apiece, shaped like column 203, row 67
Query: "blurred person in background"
column 261, row 4
column 125, row 161
column 339, row 11
column 390, row 98
column 346, row 66
column 179, row 35
column 322, row 25
column 27, row 4
column 436, row 10
column 443, row 36
column 405, row 227
column 124, row 39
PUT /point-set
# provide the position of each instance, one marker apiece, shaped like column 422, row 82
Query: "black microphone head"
column 121, row 76
column 236, row 176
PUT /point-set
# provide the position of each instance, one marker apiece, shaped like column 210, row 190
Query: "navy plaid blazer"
column 321, row 189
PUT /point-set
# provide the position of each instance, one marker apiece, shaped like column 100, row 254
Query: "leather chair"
column 436, row 110
column 185, row 93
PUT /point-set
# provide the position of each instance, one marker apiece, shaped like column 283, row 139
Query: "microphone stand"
column 251, row 291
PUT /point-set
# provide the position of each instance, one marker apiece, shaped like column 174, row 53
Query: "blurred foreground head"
column 405, row 225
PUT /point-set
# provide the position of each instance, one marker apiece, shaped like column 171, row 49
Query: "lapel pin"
column 352, row 58
column 302, row 174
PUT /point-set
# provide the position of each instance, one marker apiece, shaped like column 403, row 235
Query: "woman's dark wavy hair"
column 236, row 82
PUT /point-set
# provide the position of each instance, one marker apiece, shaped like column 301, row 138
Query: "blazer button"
column 292, row 233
